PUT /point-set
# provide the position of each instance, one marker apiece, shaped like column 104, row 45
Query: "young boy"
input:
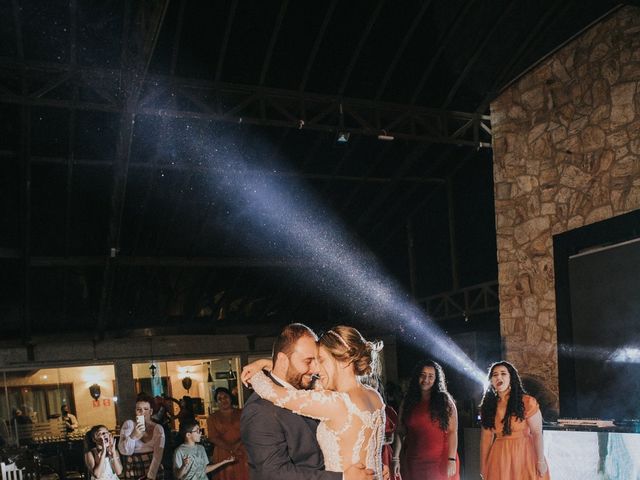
column 190, row 461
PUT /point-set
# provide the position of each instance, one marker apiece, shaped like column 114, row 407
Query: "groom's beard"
column 298, row 380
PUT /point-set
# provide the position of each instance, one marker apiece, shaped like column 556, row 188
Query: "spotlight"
column 342, row 137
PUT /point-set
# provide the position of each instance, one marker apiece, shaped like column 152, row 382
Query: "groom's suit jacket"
column 281, row 445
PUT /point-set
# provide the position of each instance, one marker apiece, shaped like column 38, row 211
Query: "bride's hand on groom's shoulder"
column 358, row 471
column 249, row 370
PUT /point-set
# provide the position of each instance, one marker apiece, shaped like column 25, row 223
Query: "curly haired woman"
column 428, row 430
column 511, row 444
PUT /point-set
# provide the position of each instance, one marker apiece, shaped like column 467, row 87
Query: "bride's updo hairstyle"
column 346, row 344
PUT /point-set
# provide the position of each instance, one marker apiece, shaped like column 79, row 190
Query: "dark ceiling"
column 118, row 120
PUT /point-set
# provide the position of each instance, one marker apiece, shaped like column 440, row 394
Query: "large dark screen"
column 604, row 287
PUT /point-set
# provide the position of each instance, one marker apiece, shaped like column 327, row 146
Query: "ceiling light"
column 385, row 137
column 342, row 137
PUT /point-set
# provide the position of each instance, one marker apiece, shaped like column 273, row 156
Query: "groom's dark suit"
column 281, row 445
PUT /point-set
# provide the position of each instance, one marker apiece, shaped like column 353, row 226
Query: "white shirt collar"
column 282, row 382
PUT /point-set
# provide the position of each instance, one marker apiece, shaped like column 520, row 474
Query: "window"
column 39, row 403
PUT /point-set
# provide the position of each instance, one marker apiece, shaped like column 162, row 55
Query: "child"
column 190, row 461
column 102, row 457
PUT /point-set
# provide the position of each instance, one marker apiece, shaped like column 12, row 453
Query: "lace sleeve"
column 319, row 404
column 127, row 445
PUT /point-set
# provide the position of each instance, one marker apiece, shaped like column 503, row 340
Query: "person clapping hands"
column 190, row 461
column 102, row 458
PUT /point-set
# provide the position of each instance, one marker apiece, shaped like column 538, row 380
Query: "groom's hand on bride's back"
column 386, row 473
column 358, row 471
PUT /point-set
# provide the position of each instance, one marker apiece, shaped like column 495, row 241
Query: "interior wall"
column 88, row 413
column 566, row 142
column 196, row 370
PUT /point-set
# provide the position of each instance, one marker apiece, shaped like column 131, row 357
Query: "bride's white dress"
column 346, row 434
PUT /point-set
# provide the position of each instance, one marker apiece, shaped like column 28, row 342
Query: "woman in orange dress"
column 511, row 445
column 223, row 431
column 427, row 432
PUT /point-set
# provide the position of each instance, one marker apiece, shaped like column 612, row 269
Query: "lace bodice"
column 346, row 434
column 370, row 427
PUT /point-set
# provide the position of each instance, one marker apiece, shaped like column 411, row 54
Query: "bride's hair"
column 346, row 344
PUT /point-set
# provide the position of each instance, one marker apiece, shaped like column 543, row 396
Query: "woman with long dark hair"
column 511, row 444
column 428, row 429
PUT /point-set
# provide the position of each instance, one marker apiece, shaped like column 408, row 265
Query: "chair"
column 10, row 471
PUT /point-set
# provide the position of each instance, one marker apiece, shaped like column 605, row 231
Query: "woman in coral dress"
column 428, row 428
column 223, row 431
column 511, row 445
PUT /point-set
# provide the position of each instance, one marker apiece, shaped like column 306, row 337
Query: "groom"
column 282, row 445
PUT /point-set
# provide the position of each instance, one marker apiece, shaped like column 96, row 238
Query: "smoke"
column 275, row 213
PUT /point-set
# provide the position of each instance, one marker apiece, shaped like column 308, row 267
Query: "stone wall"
column 566, row 140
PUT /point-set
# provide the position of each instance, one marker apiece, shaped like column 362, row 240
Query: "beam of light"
column 626, row 354
column 581, row 351
column 289, row 219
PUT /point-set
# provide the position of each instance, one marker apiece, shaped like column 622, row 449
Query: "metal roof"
column 113, row 218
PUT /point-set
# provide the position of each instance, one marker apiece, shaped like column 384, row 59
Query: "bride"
column 351, row 414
